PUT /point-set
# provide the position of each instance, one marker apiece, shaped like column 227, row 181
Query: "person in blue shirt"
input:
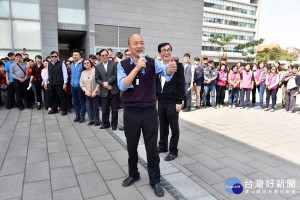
column 10, row 81
column 77, row 93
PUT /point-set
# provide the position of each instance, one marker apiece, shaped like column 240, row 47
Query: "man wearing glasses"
column 57, row 76
column 106, row 77
column 170, row 97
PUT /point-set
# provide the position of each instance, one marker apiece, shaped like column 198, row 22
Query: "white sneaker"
column 230, row 106
column 241, row 107
column 233, row 106
column 272, row 110
column 247, row 108
column 221, row 106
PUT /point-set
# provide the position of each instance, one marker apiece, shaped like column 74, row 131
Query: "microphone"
column 141, row 55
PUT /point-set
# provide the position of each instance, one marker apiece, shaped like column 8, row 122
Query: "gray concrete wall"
column 175, row 21
column 49, row 26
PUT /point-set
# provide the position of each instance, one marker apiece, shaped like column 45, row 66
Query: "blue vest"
column 76, row 73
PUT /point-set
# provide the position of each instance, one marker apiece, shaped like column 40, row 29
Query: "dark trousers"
column 273, row 93
column 242, row 99
column 148, row 123
column 220, row 94
column 254, row 94
column 79, row 101
column 46, row 97
column 38, row 89
column 57, row 91
column 111, row 101
column 188, row 97
column 290, row 99
column 69, row 102
column 21, row 91
column 168, row 117
column 11, row 94
column 92, row 105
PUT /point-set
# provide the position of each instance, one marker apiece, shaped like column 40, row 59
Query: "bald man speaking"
column 136, row 77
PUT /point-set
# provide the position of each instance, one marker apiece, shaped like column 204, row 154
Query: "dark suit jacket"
column 109, row 76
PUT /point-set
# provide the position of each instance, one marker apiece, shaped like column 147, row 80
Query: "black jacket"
column 174, row 90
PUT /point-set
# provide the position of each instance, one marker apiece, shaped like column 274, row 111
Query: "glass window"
column 24, row 30
column 5, row 33
column 25, row 9
column 4, row 8
column 71, row 11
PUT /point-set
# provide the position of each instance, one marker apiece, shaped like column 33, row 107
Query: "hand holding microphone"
column 141, row 64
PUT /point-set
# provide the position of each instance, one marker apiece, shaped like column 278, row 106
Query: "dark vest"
column 55, row 73
column 142, row 95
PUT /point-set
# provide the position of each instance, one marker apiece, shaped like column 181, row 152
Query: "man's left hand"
column 178, row 107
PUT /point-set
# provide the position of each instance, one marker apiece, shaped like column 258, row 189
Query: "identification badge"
column 137, row 81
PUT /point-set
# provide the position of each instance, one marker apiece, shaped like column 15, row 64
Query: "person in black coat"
column 170, row 96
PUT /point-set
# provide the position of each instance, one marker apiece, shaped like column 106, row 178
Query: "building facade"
column 229, row 17
column 42, row 26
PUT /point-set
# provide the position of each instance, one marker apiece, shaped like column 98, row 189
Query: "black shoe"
column 69, row 110
column 53, row 111
column 29, row 107
column 158, row 190
column 187, row 110
column 170, row 157
column 104, row 127
column 21, row 108
column 97, row 123
column 77, row 118
column 39, row 107
column 91, row 123
column 9, row 107
column 82, row 119
column 130, row 180
column 121, row 129
column 64, row 113
column 46, row 108
column 162, row 150
column 184, row 107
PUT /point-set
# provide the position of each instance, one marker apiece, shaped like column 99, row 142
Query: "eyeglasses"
column 273, row 69
column 86, row 63
column 104, row 55
column 166, row 50
column 127, row 54
column 53, row 56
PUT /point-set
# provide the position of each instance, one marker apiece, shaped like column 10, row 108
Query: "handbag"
column 3, row 87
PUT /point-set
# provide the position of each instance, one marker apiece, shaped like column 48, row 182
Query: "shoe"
column 114, row 128
column 77, row 118
column 104, row 127
column 215, row 107
column 64, row 113
column 241, row 107
column 183, row 108
column 52, row 112
column 21, row 108
column 292, row 111
column 266, row 109
column 29, row 107
column 39, row 107
column 97, row 123
column 221, row 106
column 69, row 110
column 198, row 107
column 121, row 129
column 247, row 108
column 46, row 108
column 170, row 157
column 272, row 110
column 258, row 108
column 162, row 150
column 91, row 123
column 158, row 190
column 230, row 106
column 82, row 119
column 218, row 106
column 130, row 180
column 9, row 107
column 187, row 110
column 233, row 106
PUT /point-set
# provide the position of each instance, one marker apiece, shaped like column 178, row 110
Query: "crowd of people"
column 148, row 89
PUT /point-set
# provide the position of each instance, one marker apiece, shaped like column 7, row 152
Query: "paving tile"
column 238, row 166
column 13, row 166
column 37, row 143
column 11, row 186
column 56, row 146
column 265, row 159
column 77, row 150
column 120, row 192
column 72, row 139
column 112, row 145
column 62, row 178
column 121, row 157
column 99, row 154
column 60, row 159
column 37, row 155
column 91, row 142
column 208, row 161
column 68, row 194
column 148, row 193
column 37, row 172
column 37, row 191
column 237, row 155
column 110, row 170
column 187, row 187
column 19, row 151
column 83, row 164
column 103, row 197
column 92, row 185
column 205, row 173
